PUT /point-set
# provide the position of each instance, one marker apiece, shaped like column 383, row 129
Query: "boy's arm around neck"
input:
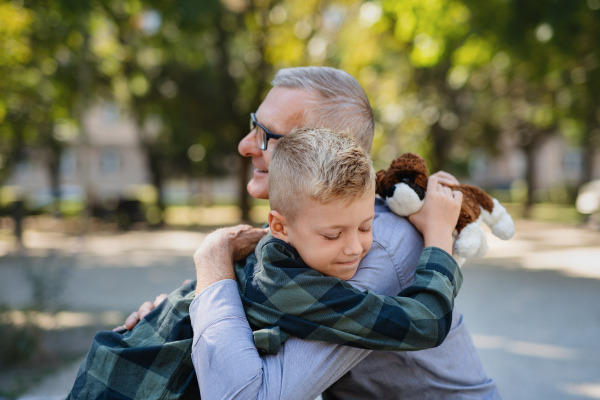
column 302, row 302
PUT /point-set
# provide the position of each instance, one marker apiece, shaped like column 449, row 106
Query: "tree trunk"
column 53, row 165
column 590, row 137
column 18, row 214
column 441, row 146
column 533, row 138
column 244, row 198
column 262, row 74
column 84, row 84
column 157, row 178
column 530, row 178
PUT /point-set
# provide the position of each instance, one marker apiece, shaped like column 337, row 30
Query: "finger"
column 443, row 190
column 159, row 299
column 432, row 184
column 132, row 320
column 458, row 196
column 145, row 309
column 446, row 179
column 241, row 228
column 118, row 328
column 186, row 282
column 261, row 232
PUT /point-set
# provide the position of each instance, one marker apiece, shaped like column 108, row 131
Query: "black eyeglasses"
column 262, row 134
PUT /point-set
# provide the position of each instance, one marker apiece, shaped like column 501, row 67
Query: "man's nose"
column 247, row 146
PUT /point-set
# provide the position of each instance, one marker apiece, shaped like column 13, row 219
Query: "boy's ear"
column 278, row 226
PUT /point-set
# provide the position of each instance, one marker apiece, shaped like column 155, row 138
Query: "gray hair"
column 318, row 164
column 340, row 103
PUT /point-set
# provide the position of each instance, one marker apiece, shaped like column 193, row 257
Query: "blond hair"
column 318, row 164
column 340, row 103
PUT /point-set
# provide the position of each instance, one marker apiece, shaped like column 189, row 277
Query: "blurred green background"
column 137, row 105
column 124, row 115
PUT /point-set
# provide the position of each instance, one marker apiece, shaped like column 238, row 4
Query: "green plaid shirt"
column 282, row 292
column 283, row 295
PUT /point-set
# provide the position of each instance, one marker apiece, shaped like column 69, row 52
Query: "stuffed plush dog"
column 403, row 187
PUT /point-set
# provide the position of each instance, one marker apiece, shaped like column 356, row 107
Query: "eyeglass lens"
column 261, row 135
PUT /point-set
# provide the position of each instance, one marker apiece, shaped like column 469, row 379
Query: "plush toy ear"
column 379, row 182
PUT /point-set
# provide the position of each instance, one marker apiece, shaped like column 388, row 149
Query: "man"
column 226, row 361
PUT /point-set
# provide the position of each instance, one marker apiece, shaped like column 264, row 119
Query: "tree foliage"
column 445, row 77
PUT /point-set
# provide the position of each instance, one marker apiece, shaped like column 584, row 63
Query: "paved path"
column 532, row 304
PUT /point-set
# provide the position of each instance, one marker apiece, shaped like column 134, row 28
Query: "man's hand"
column 144, row 309
column 215, row 256
column 137, row 316
column 223, row 246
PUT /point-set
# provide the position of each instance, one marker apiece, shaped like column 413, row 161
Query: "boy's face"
column 333, row 238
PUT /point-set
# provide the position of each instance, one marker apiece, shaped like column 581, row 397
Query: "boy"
column 322, row 219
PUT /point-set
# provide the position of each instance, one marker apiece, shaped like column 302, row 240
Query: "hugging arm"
column 302, row 302
column 228, row 365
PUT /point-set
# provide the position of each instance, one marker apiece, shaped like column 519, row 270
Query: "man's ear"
column 278, row 225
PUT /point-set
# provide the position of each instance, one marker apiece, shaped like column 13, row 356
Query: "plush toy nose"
column 390, row 191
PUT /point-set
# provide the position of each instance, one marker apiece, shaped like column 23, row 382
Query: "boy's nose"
column 354, row 246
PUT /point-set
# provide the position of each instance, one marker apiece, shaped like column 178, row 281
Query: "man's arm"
column 229, row 366
column 226, row 360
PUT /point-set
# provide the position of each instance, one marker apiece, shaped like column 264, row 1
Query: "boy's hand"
column 437, row 218
column 445, row 178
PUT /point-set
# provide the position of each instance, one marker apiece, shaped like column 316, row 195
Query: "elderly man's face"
column 281, row 112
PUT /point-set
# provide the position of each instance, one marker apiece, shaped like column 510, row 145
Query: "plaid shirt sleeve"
column 152, row 361
column 281, row 291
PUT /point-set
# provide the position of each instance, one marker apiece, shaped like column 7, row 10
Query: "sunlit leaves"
column 475, row 52
column 427, row 50
column 14, row 43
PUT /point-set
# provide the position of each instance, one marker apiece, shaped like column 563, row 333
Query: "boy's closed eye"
column 332, row 237
column 362, row 229
column 366, row 229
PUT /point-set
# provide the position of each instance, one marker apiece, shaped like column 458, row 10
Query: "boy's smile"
column 333, row 238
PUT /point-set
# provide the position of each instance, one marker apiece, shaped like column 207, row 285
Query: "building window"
column 68, row 162
column 111, row 113
column 572, row 163
column 110, row 162
column 23, row 168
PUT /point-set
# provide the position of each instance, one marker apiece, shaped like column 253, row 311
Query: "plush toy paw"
column 403, row 187
column 499, row 221
column 471, row 241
